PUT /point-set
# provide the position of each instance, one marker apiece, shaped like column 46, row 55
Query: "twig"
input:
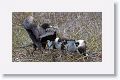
column 25, row 46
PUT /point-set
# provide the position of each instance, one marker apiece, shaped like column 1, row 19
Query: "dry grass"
column 73, row 25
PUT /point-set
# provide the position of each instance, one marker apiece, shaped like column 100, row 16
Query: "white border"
column 104, row 67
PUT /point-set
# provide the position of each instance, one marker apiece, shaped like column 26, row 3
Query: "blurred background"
column 72, row 25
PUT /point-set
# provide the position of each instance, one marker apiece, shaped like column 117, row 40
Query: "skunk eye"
column 77, row 43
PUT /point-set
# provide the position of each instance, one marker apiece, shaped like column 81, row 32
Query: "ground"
column 72, row 25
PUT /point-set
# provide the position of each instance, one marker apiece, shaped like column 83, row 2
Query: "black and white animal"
column 33, row 30
column 49, row 35
column 38, row 34
column 69, row 45
column 58, row 43
column 46, row 25
column 81, row 46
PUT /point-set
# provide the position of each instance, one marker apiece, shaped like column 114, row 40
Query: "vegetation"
column 72, row 25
